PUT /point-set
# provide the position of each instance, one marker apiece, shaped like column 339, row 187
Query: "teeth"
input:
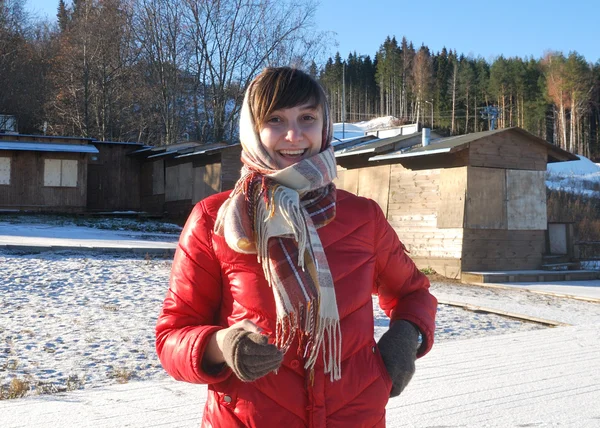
column 291, row 152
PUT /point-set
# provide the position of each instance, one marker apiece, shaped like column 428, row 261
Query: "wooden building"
column 174, row 178
column 465, row 203
column 43, row 173
column 114, row 177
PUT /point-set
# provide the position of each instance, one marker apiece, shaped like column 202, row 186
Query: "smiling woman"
column 270, row 292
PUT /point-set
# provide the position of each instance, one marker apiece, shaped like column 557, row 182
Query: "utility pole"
column 344, row 99
column 490, row 113
column 431, row 102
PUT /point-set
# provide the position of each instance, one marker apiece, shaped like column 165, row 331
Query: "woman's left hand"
column 398, row 348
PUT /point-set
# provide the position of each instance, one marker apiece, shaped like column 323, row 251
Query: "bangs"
column 276, row 89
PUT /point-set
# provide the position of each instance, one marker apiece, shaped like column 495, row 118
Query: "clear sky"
column 480, row 28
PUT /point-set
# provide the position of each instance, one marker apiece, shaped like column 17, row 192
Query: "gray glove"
column 398, row 348
column 249, row 355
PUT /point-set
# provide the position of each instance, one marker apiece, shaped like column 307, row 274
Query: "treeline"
column 162, row 71
column 157, row 71
column 556, row 97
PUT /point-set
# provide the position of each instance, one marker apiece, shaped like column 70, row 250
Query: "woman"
column 270, row 293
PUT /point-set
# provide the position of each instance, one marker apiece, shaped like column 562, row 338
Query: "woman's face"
column 292, row 134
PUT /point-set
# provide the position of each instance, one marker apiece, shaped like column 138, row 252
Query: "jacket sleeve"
column 189, row 313
column 402, row 289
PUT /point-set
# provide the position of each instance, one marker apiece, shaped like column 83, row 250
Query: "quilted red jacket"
column 212, row 287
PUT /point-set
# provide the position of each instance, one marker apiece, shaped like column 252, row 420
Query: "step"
column 556, row 258
column 561, row 266
column 529, row 276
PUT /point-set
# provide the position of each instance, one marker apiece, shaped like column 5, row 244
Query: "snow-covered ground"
column 581, row 177
column 348, row 131
column 80, row 320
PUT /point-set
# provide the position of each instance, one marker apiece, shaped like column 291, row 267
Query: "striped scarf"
column 275, row 214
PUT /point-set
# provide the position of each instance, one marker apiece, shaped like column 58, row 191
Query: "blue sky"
column 512, row 28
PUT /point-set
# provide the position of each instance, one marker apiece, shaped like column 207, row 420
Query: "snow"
column 579, row 177
column 358, row 129
column 77, row 323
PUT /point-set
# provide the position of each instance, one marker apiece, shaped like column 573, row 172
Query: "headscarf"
column 275, row 213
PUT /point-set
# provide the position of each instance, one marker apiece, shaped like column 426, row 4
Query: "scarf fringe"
column 268, row 218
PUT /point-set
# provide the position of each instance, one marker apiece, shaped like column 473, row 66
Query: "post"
column 431, row 102
column 343, row 99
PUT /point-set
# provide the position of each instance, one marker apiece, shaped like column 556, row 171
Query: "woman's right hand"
column 246, row 351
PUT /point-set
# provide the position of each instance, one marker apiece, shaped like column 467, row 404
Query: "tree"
column 231, row 40
column 421, row 75
column 62, row 16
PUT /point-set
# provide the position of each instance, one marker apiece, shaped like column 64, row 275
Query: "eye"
column 309, row 118
column 274, row 120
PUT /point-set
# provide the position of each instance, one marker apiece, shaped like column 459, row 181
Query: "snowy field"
column 70, row 321
column 580, row 177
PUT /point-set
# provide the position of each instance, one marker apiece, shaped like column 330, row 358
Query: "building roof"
column 120, row 143
column 209, row 149
column 380, row 145
column 15, row 136
column 47, row 147
column 461, row 142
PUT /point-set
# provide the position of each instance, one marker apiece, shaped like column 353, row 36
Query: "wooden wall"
column 372, row 183
column 505, row 219
column 413, row 210
column 231, row 165
column 485, row 249
column 509, row 150
column 114, row 179
column 27, row 191
column 206, row 181
column 152, row 187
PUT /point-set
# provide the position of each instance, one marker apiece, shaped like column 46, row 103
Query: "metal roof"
column 207, row 150
column 120, row 143
column 47, row 147
column 44, row 137
column 461, row 142
column 380, row 144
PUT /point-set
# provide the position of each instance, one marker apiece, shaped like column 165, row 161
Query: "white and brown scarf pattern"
column 275, row 214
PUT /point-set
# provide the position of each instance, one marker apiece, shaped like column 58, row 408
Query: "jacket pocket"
column 384, row 373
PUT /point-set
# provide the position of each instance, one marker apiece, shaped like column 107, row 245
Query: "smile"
column 292, row 152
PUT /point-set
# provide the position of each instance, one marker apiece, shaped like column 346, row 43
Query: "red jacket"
column 212, row 287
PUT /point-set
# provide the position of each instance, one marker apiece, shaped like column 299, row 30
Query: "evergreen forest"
column 164, row 71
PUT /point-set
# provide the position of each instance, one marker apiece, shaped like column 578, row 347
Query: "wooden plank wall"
column 372, row 183
column 116, row 184
column 502, row 249
column 453, row 191
column 207, row 181
column 347, row 179
column 486, row 198
column 178, row 182
column 508, row 150
column 526, row 200
column 231, row 165
column 413, row 207
column 27, row 191
column 151, row 201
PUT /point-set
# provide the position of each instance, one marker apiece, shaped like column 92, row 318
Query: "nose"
column 294, row 132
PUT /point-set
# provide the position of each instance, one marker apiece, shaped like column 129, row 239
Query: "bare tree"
column 160, row 34
column 421, row 74
column 231, row 40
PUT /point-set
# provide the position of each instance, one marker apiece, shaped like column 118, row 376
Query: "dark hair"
column 283, row 87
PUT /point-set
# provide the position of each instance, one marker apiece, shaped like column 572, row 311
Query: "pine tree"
column 62, row 16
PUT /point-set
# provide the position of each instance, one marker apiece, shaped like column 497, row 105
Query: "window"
column 4, row 170
column 60, row 173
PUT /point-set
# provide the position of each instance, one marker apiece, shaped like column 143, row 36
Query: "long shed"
column 114, row 177
column 175, row 178
column 44, row 173
column 465, row 203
